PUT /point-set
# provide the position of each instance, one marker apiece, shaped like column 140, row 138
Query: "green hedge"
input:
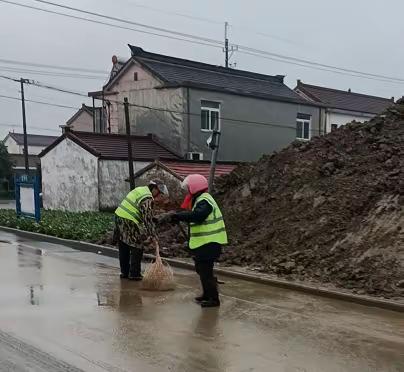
column 87, row 226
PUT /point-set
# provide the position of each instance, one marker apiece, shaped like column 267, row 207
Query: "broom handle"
column 157, row 246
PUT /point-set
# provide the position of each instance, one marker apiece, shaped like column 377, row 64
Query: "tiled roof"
column 344, row 100
column 184, row 168
column 33, row 139
column 114, row 146
column 177, row 71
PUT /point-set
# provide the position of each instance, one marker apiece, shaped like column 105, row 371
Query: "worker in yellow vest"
column 134, row 226
column 207, row 234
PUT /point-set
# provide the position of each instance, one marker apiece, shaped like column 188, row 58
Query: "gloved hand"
column 168, row 217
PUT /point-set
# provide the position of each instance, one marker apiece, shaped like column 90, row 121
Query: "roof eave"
column 73, row 138
column 352, row 112
column 268, row 97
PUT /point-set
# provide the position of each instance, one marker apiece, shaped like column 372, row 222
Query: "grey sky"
column 365, row 35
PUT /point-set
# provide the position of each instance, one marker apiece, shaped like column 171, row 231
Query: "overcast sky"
column 364, row 35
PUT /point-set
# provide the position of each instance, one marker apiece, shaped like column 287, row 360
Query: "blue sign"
column 27, row 196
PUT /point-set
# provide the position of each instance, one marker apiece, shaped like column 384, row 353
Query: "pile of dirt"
column 329, row 210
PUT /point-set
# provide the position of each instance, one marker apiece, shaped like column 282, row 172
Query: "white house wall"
column 14, row 148
column 144, row 121
column 70, row 178
column 113, row 187
column 344, row 118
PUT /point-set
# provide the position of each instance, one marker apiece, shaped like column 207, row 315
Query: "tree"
column 5, row 162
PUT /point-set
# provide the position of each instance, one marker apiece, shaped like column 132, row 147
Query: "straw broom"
column 158, row 276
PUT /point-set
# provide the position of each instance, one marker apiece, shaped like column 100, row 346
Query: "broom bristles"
column 158, row 276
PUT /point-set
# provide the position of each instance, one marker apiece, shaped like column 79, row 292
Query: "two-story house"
column 182, row 101
column 341, row 107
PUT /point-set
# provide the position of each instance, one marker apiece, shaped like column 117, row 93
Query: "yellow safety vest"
column 129, row 207
column 212, row 230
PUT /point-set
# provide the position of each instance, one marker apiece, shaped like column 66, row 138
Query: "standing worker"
column 207, row 234
column 134, row 226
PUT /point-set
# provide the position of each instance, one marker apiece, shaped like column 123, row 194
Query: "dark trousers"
column 130, row 259
column 204, row 269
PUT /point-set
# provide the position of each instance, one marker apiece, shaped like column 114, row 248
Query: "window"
column 303, row 126
column 194, row 156
column 334, row 127
column 210, row 115
column 135, row 76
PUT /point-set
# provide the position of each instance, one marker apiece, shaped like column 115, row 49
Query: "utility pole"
column 129, row 138
column 213, row 143
column 24, row 125
column 228, row 50
column 226, row 45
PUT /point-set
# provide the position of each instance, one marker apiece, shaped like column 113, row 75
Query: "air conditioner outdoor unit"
column 194, row 156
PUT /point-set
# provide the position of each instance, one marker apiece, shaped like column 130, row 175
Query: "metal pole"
column 226, row 45
column 216, row 143
column 129, row 138
column 93, row 115
column 24, row 125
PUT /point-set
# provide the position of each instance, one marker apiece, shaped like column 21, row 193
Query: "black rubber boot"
column 212, row 293
column 124, row 259
column 199, row 299
column 135, row 272
column 210, row 303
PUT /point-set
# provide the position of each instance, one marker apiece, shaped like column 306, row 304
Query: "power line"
column 317, row 64
column 49, row 73
column 246, row 48
column 253, row 51
column 54, row 67
column 215, row 22
column 39, row 102
column 108, row 24
column 319, row 68
column 160, row 29
column 9, row 78
column 30, row 127
column 183, row 15
column 61, row 90
column 40, row 85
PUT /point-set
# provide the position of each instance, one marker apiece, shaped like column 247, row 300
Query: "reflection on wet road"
column 64, row 310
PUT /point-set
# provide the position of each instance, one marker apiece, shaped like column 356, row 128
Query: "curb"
column 113, row 252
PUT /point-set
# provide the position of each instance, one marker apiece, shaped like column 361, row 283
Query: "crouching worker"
column 134, row 226
column 207, row 234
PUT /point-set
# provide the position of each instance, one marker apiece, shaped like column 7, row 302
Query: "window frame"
column 210, row 110
column 303, row 121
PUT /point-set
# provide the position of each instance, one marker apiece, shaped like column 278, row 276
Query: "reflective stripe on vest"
column 129, row 207
column 212, row 230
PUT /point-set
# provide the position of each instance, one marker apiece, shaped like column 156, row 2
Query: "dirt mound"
column 328, row 210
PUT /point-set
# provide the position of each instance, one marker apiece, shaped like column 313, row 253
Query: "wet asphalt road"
column 64, row 310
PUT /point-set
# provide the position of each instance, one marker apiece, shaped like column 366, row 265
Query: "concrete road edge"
column 113, row 252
